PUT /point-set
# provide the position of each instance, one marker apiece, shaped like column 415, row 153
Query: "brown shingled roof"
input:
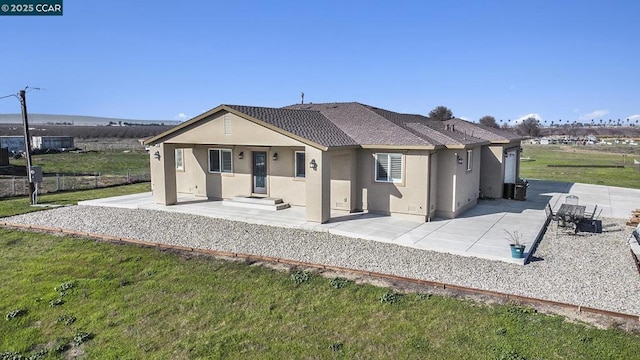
column 366, row 127
column 434, row 130
column 311, row 125
column 484, row 132
column 356, row 124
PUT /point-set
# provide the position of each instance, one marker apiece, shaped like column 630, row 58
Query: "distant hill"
column 77, row 120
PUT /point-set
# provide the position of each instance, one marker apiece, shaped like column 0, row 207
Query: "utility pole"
column 27, row 145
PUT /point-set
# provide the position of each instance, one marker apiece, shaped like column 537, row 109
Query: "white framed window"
column 300, row 165
column 220, row 161
column 180, row 159
column 388, row 167
column 469, row 159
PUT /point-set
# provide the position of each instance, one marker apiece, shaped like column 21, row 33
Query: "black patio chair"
column 589, row 226
column 572, row 200
column 553, row 216
column 590, row 215
column 596, row 217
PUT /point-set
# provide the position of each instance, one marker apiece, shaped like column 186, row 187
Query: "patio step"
column 259, row 203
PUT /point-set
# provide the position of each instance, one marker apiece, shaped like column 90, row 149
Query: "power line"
column 10, row 95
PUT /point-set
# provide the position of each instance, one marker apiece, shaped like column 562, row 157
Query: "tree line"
column 531, row 126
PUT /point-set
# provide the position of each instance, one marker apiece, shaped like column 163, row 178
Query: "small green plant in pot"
column 517, row 249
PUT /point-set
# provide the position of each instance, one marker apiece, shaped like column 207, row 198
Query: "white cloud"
column 463, row 118
column 633, row 117
column 181, row 116
column 597, row 114
column 523, row 117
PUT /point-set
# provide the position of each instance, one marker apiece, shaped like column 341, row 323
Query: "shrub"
column 66, row 319
column 66, row 286
column 15, row 313
column 390, row 298
column 60, row 347
column 299, row 277
column 339, row 283
column 81, row 337
column 510, row 355
column 10, row 356
column 56, row 302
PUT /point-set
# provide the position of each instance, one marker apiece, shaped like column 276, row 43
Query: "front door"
column 259, row 172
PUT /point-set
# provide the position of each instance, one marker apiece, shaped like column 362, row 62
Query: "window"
column 469, row 159
column 220, row 160
column 389, row 167
column 300, row 164
column 179, row 161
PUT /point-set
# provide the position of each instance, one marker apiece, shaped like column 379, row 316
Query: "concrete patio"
column 481, row 232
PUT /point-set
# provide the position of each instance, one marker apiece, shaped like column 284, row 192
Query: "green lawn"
column 544, row 155
column 20, row 205
column 109, row 162
column 144, row 303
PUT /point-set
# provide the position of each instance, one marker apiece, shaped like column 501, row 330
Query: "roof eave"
column 467, row 146
column 504, row 141
column 401, row 147
column 163, row 136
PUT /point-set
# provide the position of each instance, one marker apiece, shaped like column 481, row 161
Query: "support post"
column 318, row 185
column 27, row 145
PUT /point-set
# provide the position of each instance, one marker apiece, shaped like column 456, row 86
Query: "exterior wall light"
column 156, row 155
column 313, row 164
column 275, row 156
column 241, row 155
column 458, row 158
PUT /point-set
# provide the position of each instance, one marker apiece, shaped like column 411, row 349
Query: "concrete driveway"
column 480, row 232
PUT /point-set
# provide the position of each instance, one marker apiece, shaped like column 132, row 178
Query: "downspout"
column 429, row 187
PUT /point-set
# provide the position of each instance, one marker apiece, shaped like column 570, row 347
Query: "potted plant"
column 517, row 249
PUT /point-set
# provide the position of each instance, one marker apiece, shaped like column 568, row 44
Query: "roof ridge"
column 499, row 132
column 266, row 107
column 395, row 112
column 410, row 129
column 402, row 126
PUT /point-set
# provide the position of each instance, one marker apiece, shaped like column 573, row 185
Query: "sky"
column 558, row 60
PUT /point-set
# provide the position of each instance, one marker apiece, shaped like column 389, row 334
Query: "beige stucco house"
column 334, row 156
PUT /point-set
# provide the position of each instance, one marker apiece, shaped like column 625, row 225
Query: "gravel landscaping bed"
column 594, row 270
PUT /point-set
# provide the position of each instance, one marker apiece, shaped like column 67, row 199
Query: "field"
column 107, row 162
column 542, row 156
column 20, row 205
column 85, row 132
column 98, row 300
column 79, row 170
